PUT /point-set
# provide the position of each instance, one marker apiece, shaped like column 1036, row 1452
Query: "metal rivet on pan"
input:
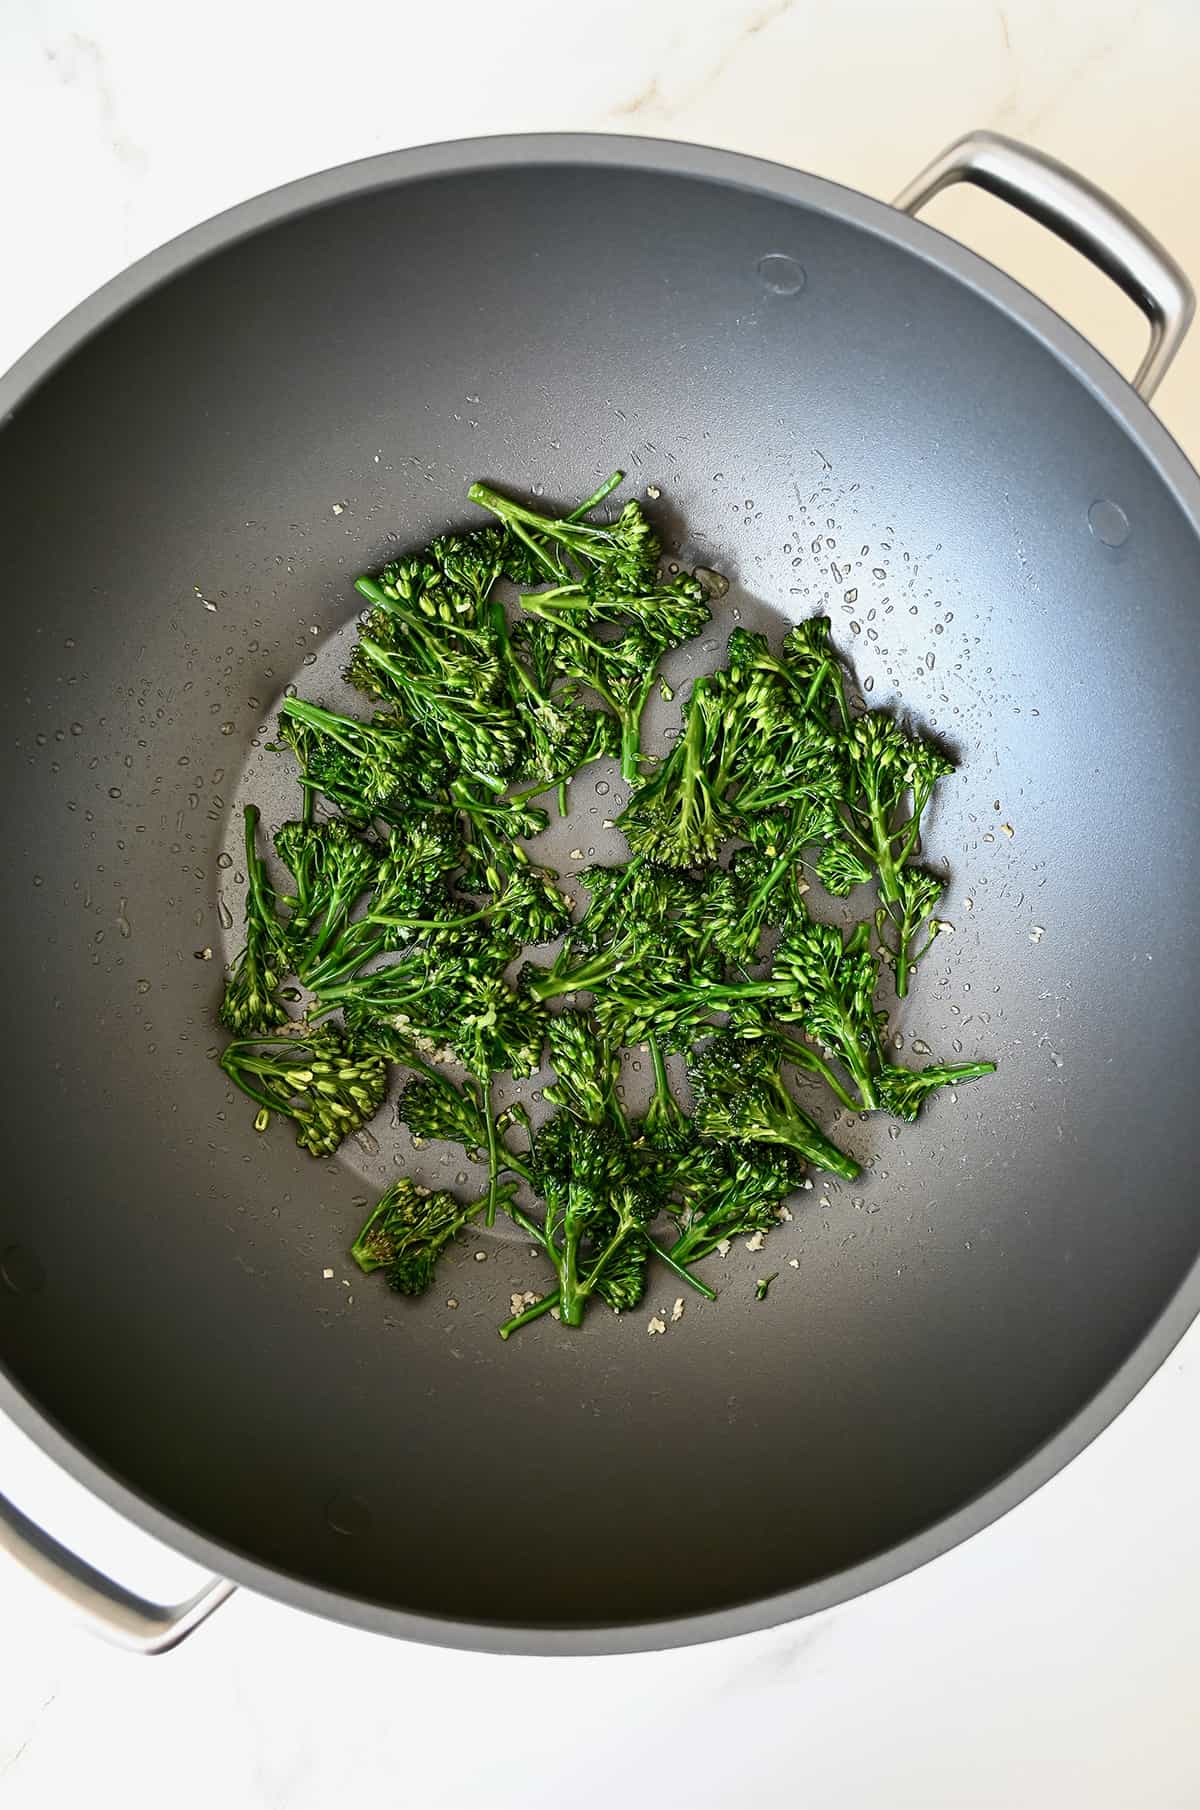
column 1108, row 522
column 20, row 1271
column 348, row 1515
column 780, row 274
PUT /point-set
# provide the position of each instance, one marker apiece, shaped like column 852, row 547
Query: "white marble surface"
column 1052, row 1660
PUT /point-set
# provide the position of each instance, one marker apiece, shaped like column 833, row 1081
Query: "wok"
column 842, row 409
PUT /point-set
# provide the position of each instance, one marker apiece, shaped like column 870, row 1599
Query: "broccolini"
column 394, row 936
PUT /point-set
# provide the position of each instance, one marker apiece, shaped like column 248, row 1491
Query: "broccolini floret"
column 407, row 1232
column 318, row 1079
column 251, row 1002
column 741, row 1095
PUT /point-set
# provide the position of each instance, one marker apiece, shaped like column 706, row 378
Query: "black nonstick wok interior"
column 838, row 419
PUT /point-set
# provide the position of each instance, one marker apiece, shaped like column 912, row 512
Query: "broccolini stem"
column 831, row 671
column 255, row 872
column 510, row 1160
column 526, row 1314
column 881, row 852
column 238, row 1068
column 662, row 1085
column 598, row 967
column 534, row 602
column 692, row 746
column 903, row 964
column 538, row 790
column 695, row 1243
column 485, row 1102
column 670, row 1258
column 515, row 516
column 570, row 1293
column 344, row 960
column 801, row 1056
column 855, row 1059
column 792, row 1127
column 519, row 1218
column 768, row 883
column 943, row 1073
column 685, row 1275
column 631, row 735
column 252, row 1093
column 554, row 568
column 327, row 721
column 597, row 497
column 400, row 923
column 921, row 796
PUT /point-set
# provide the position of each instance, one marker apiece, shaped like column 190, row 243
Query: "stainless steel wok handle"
column 1086, row 218
column 110, row 1610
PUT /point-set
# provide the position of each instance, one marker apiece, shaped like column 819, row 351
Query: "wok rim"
column 1172, row 468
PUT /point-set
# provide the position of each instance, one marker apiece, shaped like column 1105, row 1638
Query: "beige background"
column 1051, row 1662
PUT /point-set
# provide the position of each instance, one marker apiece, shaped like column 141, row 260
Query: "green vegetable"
column 587, row 1068
column 601, row 576
column 407, row 1233
column 251, row 1002
column 322, row 1081
column 893, row 776
column 835, row 977
column 739, row 1190
column 410, row 888
column 741, row 1095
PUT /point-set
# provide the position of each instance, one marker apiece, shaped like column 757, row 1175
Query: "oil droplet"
column 602, row 788
column 1108, row 522
column 780, row 274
